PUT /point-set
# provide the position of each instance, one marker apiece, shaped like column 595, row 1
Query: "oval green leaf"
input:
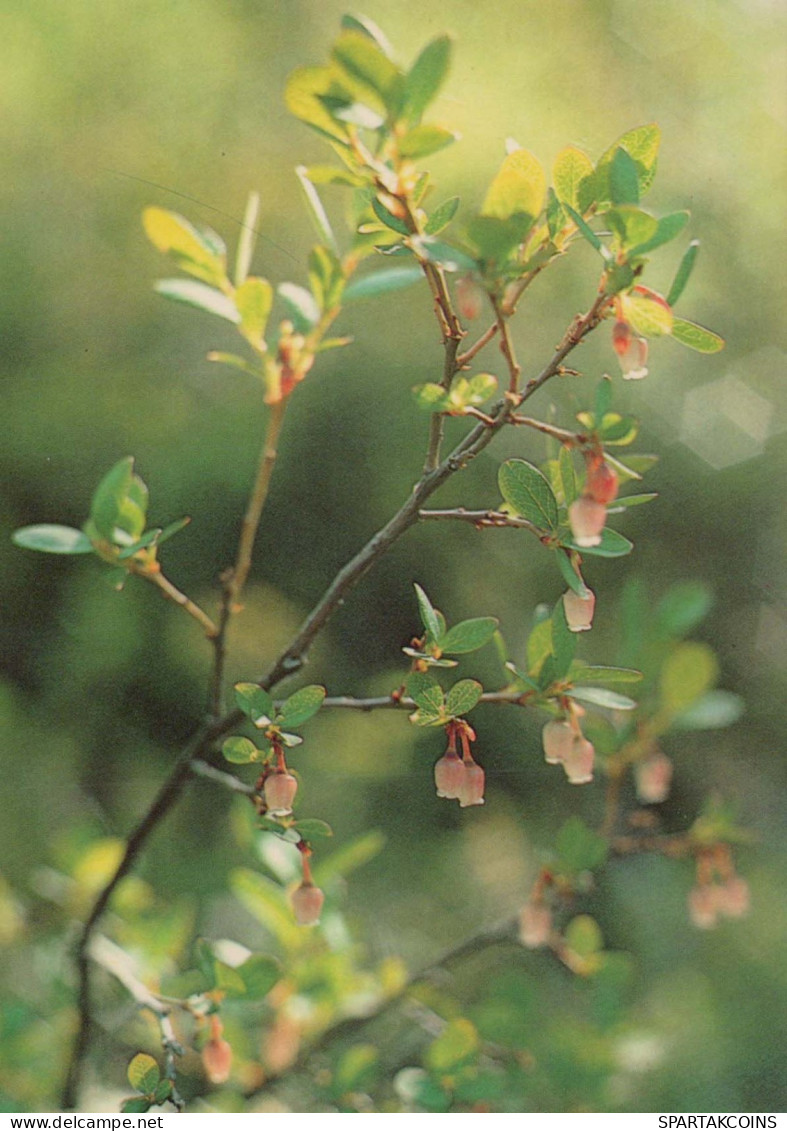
column 52, row 539
column 527, row 490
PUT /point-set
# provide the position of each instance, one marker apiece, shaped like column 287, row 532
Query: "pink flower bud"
column 535, row 925
column 587, row 518
column 652, row 778
column 558, row 737
column 472, row 792
column 579, row 610
column 279, row 789
column 217, row 1060
column 469, row 297
column 579, row 762
column 449, row 775
column 704, row 905
column 602, row 482
column 734, row 898
column 307, row 901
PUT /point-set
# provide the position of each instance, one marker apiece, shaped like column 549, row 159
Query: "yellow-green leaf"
column 647, row 315
column 143, row 1073
column 520, row 186
column 254, row 299
column 574, row 178
column 688, row 672
column 200, row 252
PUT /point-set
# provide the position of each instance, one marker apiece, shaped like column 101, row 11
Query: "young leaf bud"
column 579, row 762
column 704, row 905
column 449, row 775
column 307, row 901
column 280, row 789
column 472, row 791
column 587, row 518
column 558, row 737
column 535, row 925
column 652, row 778
column 579, row 610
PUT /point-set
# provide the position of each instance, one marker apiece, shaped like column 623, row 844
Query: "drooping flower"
column 579, row 762
column 703, row 903
column 734, row 897
column 217, row 1054
column 653, row 777
column 601, row 482
column 307, row 901
column 587, row 518
column 472, row 790
column 535, row 925
column 579, row 610
column 557, row 736
column 279, row 789
column 449, row 775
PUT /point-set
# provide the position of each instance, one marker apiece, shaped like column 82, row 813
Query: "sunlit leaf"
column 52, row 539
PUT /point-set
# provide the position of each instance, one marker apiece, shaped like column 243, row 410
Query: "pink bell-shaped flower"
column 279, row 789
column 579, row 762
column 535, row 925
column 558, row 737
column 632, row 352
column 579, row 610
column 472, row 791
column 652, row 778
column 734, row 897
column 587, row 518
column 449, row 775
column 307, row 901
column 703, row 904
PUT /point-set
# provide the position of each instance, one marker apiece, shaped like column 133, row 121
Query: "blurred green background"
column 100, row 689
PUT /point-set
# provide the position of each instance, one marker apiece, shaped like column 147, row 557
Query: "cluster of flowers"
column 460, row 779
column 566, row 745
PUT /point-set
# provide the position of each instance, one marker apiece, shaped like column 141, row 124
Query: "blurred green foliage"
column 109, row 108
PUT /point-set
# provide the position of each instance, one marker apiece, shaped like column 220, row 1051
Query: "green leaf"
column 143, row 1073
column 428, row 614
column 527, row 490
column 587, row 231
column 597, row 673
column 425, row 692
column 422, row 141
column 441, row 216
column 449, row 258
column 355, row 1070
column 617, row 429
column 539, row 646
column 52, row 539
column 570, row 576
column 253, row 300
column 711, row 711
column 383, row 282
column 520, row 186
column 301, row 307
column 642, row 144
column 457, row 1044
column 305, row 92
column 367, row 64
column 564, row 641
column 603, row 397
column 687, row 673
column 612, row 545
column 267, row 902
column 236, row 361
column 316, row 210
column 667, row 229
column 193, row 293
column 623, row 178
column 580, row 848
column 462, row 697
column 574, row 178
column 119, row 503
column 162, row 1092
column 311, row 828
column 683, row 273
column 200, row 252
column 395, row 223
column 431, row 397
column 647, row 315
column 326, row 277
column 135, row 1105
column 583, row 936
column 369, row 28
column 602, row 697
column 290, row 739
column 228, row 980
column 301, row 706
column 254, row 702
column 568, row 479
column 683, row 607
column 696, row 337
column 240, row 751
column 424, row 79
column 469, row 635
column 631, row 224
column 260, row 973
column 248, row 238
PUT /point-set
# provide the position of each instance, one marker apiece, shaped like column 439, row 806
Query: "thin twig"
column 482, row 519
column 563, row 435
column 172, row 593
